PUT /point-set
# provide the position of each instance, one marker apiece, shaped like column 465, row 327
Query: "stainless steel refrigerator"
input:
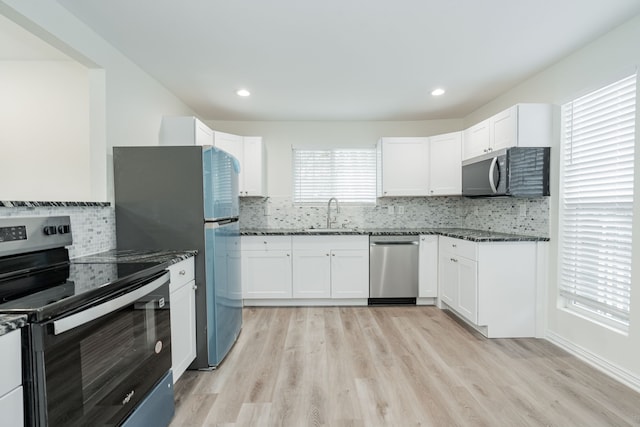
column 183, row 198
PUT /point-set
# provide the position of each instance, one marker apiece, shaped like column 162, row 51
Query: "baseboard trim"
column 616, row 372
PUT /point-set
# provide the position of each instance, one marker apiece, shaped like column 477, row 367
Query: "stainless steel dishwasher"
column 393, row 269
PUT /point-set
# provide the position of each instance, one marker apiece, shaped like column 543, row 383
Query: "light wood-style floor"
column 394, row 366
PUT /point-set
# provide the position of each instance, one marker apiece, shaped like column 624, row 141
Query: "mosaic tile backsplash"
column 93, row 227
column 506, row 215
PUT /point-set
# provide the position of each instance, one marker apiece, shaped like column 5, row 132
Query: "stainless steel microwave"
column 515, row 172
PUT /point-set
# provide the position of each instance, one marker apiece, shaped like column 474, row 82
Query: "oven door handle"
column 70, row 322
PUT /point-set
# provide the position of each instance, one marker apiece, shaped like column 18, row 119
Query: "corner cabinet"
column 184, row 130
column 445, row 164
column 401, row 166
column 330, row 267
column 11, row 391
column 492, row 285
column 250, row 153
column 182, row 288
column 420, row 166
column 266, row 267
column 522, row 125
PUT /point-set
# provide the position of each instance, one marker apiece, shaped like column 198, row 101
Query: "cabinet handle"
column 454, row 260
column 264, row 243
column 454, row 245
column 333, row 254
column 182, row 272
column 195, row 287
column 288, row 254
column 327, row 254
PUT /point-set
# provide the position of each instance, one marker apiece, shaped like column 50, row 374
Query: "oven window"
column 96, row 373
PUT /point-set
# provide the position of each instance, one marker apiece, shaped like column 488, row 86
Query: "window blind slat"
column 596, row 207
column 347, row 174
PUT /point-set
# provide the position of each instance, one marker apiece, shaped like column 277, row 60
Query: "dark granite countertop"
column 133, row 255
column 11, row 322
column 458, row 233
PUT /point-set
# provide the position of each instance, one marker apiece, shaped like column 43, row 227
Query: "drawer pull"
column 454, row 245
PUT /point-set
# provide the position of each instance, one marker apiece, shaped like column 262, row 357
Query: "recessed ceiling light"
column 437, row 92
column 243, row 92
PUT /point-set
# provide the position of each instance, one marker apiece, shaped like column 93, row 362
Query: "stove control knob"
column 64, row 229
column 50, row 230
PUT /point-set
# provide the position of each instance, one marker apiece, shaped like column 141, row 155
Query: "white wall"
column 127, row 104
column 44, row 131
column 614, row 55
column 279, row 137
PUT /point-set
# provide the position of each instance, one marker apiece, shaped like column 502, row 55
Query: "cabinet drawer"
column 10, row 361
column 266, row 243
column 181, row 273
column 460, row 247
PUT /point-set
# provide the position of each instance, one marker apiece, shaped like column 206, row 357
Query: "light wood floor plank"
column 394, row 366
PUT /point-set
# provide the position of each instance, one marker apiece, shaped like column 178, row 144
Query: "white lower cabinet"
column 490, row 284
column 11, row 408
column 266, row 267
column 305, row 269
column 335, row 267
column 428, row 267
column 183, row 316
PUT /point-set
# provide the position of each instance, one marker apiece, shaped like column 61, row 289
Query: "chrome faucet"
column 329, row 211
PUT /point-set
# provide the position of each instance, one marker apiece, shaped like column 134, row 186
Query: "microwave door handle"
column 85, row 316
column 492, row 181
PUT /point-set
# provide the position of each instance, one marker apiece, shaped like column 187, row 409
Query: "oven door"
column 94, row 366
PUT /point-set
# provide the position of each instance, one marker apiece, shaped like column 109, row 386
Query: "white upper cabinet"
column 445, row 163
column 420, row 166
column 186, row 130
column 523, row 125
column 403, row 166
column 477, row 139
column 249, row 151
column 253, row 167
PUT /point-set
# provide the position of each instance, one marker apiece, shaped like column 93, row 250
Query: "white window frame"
column 331, row 185
column 595, row 234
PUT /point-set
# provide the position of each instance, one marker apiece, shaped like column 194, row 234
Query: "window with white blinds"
column 348, row 174
column 596, row 203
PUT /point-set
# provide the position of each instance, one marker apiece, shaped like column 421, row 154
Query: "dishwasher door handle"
column 392, row 243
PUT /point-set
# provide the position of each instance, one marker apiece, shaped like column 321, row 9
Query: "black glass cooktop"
column 68, row 288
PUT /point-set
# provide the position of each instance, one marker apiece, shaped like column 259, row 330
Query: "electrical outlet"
column 400, row 210
column 390, row 210
column 523, row 210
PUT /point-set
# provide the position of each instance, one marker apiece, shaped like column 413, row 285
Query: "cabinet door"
column 428, row 267
column 349, row 273
column 468, row 288
column 405, row 170
column 504, row 129
column 203, row 135
column 183, row 328
column 266, row 274
column 11, row 409
column 232, row 144
column 477, row 140
column 252, row 167
column 445, row 165
column 311, row 274
column 448, row 278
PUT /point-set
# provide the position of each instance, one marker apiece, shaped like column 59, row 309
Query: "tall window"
column 596, row 203
column 348, row 174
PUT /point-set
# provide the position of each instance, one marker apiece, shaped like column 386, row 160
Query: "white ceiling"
column 346, row 59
